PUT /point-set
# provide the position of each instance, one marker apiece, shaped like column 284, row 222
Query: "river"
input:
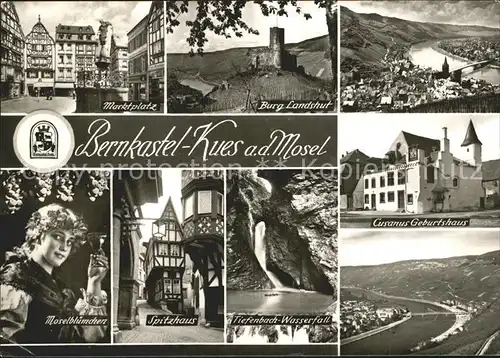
column 423, row 54
column 401, row 339
column 277, row 302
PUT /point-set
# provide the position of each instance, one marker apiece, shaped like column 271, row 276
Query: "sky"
column 369, row 247
column 124, row 15
column 477, row 12
column 388, row 126
column 296, row 28
column 171, row 181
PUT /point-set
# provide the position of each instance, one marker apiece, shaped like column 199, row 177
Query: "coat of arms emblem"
column 43, row 141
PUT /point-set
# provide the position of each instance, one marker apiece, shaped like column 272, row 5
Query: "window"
column 410, row 199
column 367, row 183
column 80, row 37
column 401, row 177
column 162, row 249
column 167, row 286
column 430, row 174
column 390, row 197
column 175, row 250
column 382, row 182
column 390, row 179
column 204, row 202
column 374, row 183
column 455, row 182
column 177, row 286
column 382, row 198
column 367, row 199
column 68, row 36
column 220, row 204
column 188, row 207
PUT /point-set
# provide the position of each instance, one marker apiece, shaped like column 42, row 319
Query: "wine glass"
column 96, row 241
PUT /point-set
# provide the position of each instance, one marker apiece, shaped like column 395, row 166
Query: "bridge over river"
column 475, row 65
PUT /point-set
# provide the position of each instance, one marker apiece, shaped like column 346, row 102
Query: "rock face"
column 301, row 229
column 243, row 269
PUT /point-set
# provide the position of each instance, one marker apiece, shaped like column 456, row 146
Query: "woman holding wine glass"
column 30, row 293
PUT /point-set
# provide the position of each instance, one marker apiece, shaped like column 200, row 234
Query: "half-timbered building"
column 39, row 61
column 203, row 228
column 165, row 263
column 156, row 52
column 12, row 52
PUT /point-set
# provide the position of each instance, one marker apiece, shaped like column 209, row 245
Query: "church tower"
column 473, row 145
column 445, row 68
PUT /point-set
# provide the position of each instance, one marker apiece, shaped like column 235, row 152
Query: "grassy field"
column 400, row 339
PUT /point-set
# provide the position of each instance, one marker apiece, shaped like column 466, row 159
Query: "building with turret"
column 274, row 55
column 420, row 174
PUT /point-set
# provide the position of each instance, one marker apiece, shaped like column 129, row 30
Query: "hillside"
column 468, row 278
column 366, row 37
column 218, row 65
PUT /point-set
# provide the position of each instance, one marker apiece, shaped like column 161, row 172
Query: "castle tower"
column 473, row 145
column 277, row 45
column 445, row 68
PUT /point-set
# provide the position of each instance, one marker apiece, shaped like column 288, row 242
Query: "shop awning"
column 43, row 85
column 65, row 85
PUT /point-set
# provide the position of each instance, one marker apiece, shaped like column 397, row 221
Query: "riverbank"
column 377, row 330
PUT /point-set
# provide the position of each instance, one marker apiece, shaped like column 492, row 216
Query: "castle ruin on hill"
column 273, row 56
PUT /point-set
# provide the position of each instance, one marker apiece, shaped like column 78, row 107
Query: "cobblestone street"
column 177, row 334
column 63, row 105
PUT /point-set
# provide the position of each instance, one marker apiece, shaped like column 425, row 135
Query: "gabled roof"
column 353, row 156
column 491, row 170
column 12, row 7
column 169, row 212
column 471, row 136
column 360, row 163
column 40, row 27
column 427, row 144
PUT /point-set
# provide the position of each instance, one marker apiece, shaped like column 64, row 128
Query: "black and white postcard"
column 432, row 292
column 420, row 171
column 282, row 256
column 420, row 56
column 254, row 56
column 83, row 56
column 168, row 256
column 55, row 254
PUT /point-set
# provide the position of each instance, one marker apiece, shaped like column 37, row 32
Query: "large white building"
column 420, row 174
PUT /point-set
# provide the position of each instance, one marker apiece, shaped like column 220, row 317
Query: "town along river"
column 400, row 339
column 427, row 54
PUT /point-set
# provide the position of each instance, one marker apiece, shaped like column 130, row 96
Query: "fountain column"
column 91, row 99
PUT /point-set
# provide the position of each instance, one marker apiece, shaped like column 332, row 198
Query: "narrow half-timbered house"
column 165, row 263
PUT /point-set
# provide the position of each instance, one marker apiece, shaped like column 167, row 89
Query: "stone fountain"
column 91, row 99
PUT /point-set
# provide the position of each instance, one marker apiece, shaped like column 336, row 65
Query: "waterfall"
column 260, row 253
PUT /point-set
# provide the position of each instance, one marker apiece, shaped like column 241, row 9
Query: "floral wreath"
column 53, row 217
